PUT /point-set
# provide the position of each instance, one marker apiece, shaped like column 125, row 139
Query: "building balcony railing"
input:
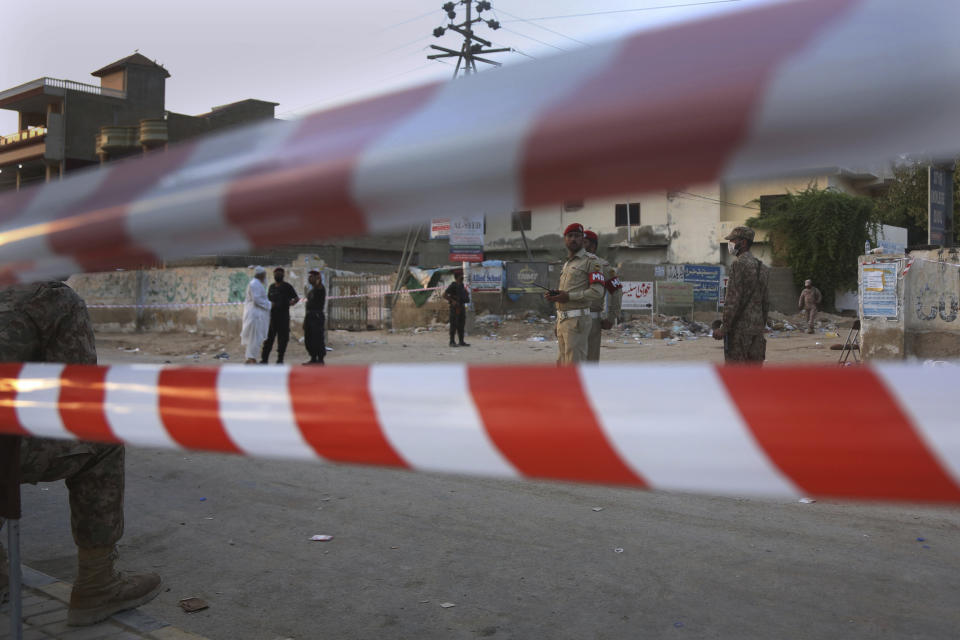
column 57, row 83
column 33, row 134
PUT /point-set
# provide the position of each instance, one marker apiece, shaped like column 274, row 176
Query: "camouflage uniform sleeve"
column 66, row 333
column 594, row 290
column 734, row 293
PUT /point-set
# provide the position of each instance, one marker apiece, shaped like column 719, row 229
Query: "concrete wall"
column 181, row 285
column 932, row 304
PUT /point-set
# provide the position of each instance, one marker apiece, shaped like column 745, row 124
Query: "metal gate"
column 358, row 303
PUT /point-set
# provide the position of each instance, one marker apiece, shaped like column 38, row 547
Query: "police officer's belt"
column 573, row 313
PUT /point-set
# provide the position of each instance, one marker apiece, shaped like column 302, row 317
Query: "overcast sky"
column 305, row 55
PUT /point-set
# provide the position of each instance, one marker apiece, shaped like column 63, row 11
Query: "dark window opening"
column 621, row 211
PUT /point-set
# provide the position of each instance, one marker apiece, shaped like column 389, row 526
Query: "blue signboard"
column 940, row 206
column 705, row 280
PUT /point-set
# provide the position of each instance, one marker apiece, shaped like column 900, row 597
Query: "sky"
column 305, row 55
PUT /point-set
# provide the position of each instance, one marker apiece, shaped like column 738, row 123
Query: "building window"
column 573, row 205
column 769, row 204
column 520, row 221
column 621, row 211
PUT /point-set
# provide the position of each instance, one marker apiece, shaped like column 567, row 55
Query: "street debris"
column 618, row 550
column 321, row 538
column 598, row 508
column 806, row 500
column 190, row 605
column 447, row 605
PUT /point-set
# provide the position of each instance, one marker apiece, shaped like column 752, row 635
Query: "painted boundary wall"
column 932, row 304
column 924, row 323
column 147, row 298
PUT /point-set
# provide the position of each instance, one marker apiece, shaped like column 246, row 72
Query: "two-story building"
column 66, row 125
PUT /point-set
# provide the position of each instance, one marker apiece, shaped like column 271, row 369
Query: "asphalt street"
column 518, row 560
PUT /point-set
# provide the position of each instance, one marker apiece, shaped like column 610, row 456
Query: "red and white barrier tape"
column 884, row 432
column 186, row 305
column 784, row 88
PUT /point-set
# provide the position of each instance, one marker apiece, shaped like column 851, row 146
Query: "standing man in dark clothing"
column 313, row 319
column 747, row 303
column 282, row 296
column 458, row 297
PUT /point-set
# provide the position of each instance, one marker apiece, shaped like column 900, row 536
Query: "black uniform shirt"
column 316, row 298
column 280, row 294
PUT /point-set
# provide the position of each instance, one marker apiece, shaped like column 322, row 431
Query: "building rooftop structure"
column 64, row 125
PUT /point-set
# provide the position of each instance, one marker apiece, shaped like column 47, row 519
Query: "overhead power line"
column 601, row 13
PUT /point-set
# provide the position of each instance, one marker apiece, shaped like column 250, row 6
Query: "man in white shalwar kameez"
column 256, row 316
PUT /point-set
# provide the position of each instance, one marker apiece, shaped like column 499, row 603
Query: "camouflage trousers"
column 94, row 478
column 740, row 347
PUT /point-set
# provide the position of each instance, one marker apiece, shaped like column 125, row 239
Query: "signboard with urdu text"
column 637, row 295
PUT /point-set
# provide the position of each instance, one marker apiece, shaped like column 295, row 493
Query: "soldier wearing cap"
column 581, row 284
column 747, row 302
column 809, row 301
column 314, row 319
column 614, row 291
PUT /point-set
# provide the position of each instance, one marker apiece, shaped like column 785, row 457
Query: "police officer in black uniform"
column 313, row 319
column 283, row 296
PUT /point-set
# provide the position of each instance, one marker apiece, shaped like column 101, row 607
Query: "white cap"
column 258, row 270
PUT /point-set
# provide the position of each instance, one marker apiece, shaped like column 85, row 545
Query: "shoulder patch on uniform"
column 596, row 276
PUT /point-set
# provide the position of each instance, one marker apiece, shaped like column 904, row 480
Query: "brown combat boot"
column 100, row 591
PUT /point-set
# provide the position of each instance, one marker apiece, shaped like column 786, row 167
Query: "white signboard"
column 466, row 239
column 637, row 295
column 439, row 228
column 486, row 278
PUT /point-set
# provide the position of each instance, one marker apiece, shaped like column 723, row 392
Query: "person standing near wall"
column 613, row 294
column 747, row 302
column 314, row 319
column 810, row 299
column 457, row 296
column 282, row 296
column 256, row 316
column 581, row 284
column 48, row 322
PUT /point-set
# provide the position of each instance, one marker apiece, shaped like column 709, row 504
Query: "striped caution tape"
column 186, row 305
column 882, row 432
column 720, row 99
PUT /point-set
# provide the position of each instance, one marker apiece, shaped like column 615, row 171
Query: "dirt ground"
column 494, row 340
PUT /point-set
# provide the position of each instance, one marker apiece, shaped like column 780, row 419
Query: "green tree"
column 819, row 234
column 905, row 203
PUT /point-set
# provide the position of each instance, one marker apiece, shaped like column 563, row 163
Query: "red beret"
column 591, row 234
column 573, row 227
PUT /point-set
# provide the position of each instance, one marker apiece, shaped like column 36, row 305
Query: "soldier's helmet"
column 745, row 233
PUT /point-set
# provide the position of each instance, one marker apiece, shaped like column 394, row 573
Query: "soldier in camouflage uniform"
column 581, row 284
column 614, row 292
column 48, row 322
column 747, row 302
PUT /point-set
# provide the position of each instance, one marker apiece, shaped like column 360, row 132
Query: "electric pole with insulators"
column 473, row 46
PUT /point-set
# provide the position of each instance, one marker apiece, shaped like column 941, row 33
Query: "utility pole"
column 471, row 50
column 473, row 46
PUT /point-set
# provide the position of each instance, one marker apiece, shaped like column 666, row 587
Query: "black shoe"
column 311, row 361
column 279, row 360
column 464, row 344
column 452, row 343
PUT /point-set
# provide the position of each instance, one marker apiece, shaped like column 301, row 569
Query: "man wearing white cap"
column 809, row 301
column 256, row 316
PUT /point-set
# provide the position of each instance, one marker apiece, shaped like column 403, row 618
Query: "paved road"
column 519, row 560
